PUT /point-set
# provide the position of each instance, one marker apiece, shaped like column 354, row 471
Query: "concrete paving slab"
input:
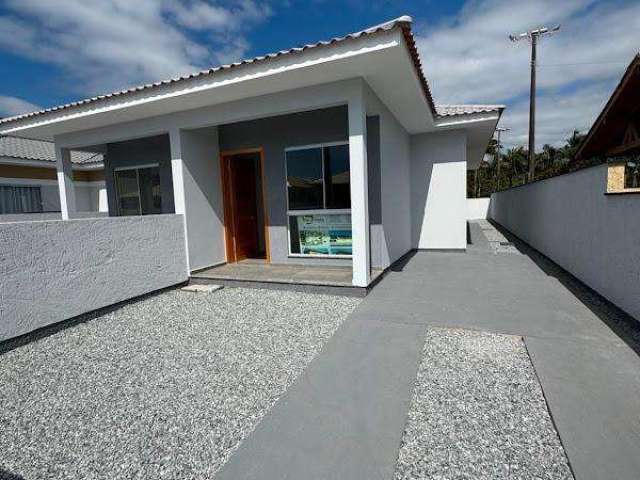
column 593, row 391
column 497, row 293
column 345, row 416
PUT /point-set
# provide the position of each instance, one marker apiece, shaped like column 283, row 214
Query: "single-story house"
column 615, row 135
column 28, row 178
column 333, row 153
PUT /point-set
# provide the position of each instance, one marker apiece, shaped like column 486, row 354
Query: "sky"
column 57, row 51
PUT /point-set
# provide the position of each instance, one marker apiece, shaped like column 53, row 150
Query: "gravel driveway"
column 478, row 412
column 166, row 387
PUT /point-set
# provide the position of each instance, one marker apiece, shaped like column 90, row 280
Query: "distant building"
column 615, row 135
column 28, row 179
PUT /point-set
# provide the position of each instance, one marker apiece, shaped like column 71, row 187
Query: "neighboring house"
column 615, row 135
column 28, row 179
column 329, row 154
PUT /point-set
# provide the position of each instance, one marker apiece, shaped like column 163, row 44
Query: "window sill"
column 626, row 191
column 324, row 257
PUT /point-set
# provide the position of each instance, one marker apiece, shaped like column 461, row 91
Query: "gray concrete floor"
column 582, row 348
column 345, row 416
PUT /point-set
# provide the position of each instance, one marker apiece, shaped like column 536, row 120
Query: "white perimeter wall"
column 54, row 270
column 595, row 237
column 477, row 208
column 438, row 190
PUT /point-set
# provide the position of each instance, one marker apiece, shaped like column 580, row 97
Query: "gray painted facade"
column 592, row 235
column 54, row 270
column 274, row 134
column 143, row 151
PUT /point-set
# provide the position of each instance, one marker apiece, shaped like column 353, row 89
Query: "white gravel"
column 166, row 387
column 478, row 412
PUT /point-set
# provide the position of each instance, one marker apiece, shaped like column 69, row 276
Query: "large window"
column 138, row 190
column 20, row 199
column 319, row 200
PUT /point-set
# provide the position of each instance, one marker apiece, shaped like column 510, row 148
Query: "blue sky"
column 56, row 51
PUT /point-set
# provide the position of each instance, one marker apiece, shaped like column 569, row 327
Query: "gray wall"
column 54, row 270
column 274, row 134
column 594, row 236
column 389, row 181
column 203, row 197
column 140, row 152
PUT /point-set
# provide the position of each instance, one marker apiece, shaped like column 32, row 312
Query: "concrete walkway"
column 345, row 417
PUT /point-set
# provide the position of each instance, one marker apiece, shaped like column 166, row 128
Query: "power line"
column 532, row 36
column 581, row 63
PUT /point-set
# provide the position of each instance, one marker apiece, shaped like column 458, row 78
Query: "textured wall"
column 54, row 270
column 438, row 190
column 595, row 237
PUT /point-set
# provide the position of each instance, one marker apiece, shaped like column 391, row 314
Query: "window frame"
column 137, row 168
column 315, row 211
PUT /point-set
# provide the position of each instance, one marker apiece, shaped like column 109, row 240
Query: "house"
column 615, row 135
column 330, row 154
column 28, row 179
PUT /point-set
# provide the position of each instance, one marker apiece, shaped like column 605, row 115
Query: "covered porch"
column 260, row 274
column 287, row 188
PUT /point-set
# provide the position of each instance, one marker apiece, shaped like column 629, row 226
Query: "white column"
column 359, row 191
column 66, row 188
column 177, row 175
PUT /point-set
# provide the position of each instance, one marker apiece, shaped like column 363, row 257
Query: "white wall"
column 596, row 237
column 438, row 190
column 202, row 188
column 54, row 270
column 477, row 208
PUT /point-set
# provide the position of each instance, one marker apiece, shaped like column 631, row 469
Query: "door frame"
column 228, row 204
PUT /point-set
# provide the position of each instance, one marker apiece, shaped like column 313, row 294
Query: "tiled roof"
column 450, row 110
column 21, row 148
column 403, row 23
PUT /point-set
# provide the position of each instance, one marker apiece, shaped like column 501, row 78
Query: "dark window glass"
column 295, row 234
column 138, row 191
column 20, row 199
column 150, row 197
column 336, row 168
column 128, row 195
column 632, row 174
column 304, row 179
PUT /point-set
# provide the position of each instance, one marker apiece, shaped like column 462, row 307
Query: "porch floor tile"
column 251, row 271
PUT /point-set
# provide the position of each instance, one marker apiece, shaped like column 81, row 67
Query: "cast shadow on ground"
column 621, row 323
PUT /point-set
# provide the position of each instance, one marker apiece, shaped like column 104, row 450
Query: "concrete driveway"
column 352, row 408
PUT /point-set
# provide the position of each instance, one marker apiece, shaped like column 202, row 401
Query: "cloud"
column 105, row 45
column 10, row 106
column 469, row 58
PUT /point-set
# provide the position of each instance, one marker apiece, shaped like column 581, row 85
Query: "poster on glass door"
column 325, row 234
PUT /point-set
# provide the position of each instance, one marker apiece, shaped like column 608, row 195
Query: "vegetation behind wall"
column 550, row 162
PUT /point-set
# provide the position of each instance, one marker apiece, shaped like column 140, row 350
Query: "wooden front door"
column 241, row 174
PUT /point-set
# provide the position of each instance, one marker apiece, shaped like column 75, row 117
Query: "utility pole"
column 532, row 36
column 499, row 130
